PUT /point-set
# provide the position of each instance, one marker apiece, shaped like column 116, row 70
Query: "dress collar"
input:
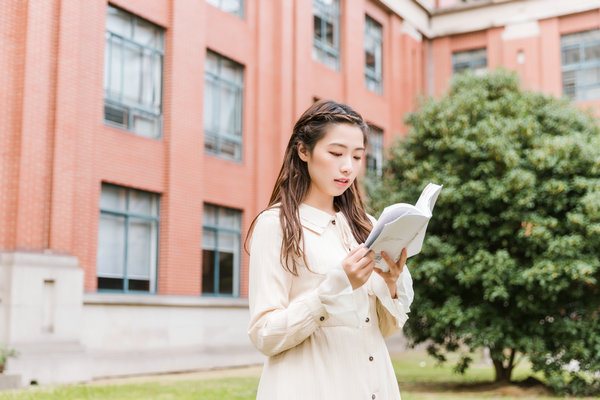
column 314, row 219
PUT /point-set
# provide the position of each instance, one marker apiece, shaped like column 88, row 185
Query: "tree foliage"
column 511, row 260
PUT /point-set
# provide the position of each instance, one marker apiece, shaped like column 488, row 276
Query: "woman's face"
column 335, row 160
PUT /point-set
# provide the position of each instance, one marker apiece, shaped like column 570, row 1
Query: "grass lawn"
column 418, row 376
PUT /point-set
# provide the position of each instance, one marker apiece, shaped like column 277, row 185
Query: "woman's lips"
column 341, row 181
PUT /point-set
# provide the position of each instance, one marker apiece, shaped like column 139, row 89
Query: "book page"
column 399, row 234
column 390, row 214
column 428, row 198
column 401, row 226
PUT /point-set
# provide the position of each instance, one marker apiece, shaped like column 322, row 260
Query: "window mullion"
column 122, row 69
column 153, row 97
column 141, row 87
column 109, row 64
column 126, row 249
column 217, row 268
column 218, row 110
column 323, row 27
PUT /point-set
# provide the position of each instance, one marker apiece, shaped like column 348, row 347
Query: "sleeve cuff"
column 399, row 307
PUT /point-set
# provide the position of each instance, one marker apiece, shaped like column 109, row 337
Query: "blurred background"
column 138, row 140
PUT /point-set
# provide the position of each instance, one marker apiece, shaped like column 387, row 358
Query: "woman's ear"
column 302, row 152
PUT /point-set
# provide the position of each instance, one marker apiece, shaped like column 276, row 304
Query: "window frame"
column 132, row 108
column 219, row 134
column 241, row 14
column 127, row 215
column 375, row 131
column 473, row 63
column 375, row 76
column 216, row 229
column 582, row 65
column 322, row 50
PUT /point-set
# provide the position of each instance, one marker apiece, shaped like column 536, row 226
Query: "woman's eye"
column 335, row 154
column 358, row 158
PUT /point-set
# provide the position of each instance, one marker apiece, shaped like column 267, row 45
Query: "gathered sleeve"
column 392, row 314
column 276, row 322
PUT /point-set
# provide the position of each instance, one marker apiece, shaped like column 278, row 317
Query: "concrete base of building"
column 40, row 316
column 119, row 364
column 8, row 382
column 64, row 335
column 44, row 363
column 137, row 334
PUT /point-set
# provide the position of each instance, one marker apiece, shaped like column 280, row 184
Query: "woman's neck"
column 320, row 202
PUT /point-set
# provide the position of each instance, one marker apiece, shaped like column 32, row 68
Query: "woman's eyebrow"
column 344, row 146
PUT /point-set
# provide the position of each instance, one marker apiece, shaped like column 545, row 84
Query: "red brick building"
column 140, row 138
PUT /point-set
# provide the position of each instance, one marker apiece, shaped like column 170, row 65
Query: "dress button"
column 322, row 318
column 370, row 358
column 333, row 221
column 373, row 396
column 367, row 319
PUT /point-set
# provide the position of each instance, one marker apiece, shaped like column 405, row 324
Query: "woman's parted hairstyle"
column 293, row 181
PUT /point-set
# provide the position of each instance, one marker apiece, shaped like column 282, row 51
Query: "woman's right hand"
column 358, row 265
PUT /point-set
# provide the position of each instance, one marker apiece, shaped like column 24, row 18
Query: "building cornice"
column 411, row 11
column 471, row 5
column 500, row 13
column 481, row 14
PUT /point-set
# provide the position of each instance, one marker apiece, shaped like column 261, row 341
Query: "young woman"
column 317, row 309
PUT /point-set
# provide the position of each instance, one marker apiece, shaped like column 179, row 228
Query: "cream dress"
column 323, row 340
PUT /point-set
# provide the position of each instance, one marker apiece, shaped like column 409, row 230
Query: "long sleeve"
column 276, row 322
column 393, row 313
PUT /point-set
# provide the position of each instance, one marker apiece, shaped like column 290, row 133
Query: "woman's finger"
column 365, row 262
column 355, row 250
column 389, row 261
column 402, row 259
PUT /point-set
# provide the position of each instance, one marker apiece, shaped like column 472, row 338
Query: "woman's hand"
column 396, row 268
column 358, row 265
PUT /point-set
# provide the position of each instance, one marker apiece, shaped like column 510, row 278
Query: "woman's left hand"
column 390, row 277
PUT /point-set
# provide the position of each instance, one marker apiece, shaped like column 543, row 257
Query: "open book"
column 402, row 225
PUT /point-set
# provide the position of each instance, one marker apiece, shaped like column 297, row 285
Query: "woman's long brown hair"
column 293, row 181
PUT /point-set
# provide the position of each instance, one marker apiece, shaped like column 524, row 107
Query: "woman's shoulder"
column 268, row 217
column 267, row 228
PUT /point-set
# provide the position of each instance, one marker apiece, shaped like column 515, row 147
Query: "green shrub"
column 510, row 261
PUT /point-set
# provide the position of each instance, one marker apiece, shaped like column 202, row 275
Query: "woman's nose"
column 346, row 166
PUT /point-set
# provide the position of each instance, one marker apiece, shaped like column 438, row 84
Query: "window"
column 235, row 7
column 475, row 60
column 127, row 240
column 133, row 63
column 581, row 65
column 375, row 151
column 223, row 106
column 326, row 41
column 373, row 55
column 221, row 251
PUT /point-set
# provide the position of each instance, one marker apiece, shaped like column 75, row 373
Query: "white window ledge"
column 122, row 299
